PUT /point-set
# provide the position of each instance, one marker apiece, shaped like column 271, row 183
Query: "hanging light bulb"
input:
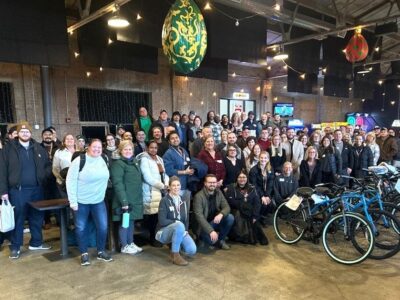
column 138, row 17
column 258, row 89
column 269, row 68
column 190, row 94
column 117, row 21
column 101, row 69
column 207, row 6
column 324, row 70
column 363, row 100
column 214, row 94
column 392, row 102
column 88, row 74
column 303, row 76
column 380, row 82
column 234, row 74
column 76, row 54
column 110, row 41
column 237, row 23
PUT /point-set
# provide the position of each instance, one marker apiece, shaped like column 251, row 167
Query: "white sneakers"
column 131, row 249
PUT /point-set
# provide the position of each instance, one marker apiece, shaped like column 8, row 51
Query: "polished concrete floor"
column 277, row 271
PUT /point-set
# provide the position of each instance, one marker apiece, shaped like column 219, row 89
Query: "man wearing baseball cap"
column 24, row 169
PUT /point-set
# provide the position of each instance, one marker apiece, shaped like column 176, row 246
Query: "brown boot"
column 178, row 260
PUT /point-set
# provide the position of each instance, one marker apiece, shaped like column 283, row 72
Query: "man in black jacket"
column 285, row 185
column 363, row 157
column 346, row 152
column 24, row 169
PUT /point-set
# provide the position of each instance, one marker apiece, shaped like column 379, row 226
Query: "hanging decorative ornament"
column 184, row 36
column 357, row 48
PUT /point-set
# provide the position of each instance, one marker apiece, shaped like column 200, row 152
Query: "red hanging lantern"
column 357, row 48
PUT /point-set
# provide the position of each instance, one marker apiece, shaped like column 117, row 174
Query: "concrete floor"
column 278, row 271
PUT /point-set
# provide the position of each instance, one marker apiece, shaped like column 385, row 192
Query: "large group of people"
column 229, row 173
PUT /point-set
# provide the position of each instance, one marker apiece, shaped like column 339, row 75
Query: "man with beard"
column 50, row 189
column 24, row 169
column 294, row 151
column 387, row 145
column 212, row 213
column 177, row 163
column 213, row 123
column 163, row 145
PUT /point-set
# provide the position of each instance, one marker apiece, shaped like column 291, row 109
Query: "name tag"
column 281, row 179
column 219, row 161
column 171, row 208
column 323, row 155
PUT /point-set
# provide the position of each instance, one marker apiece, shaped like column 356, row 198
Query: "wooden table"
column 56, row 204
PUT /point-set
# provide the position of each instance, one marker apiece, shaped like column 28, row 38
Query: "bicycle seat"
column 323, row 191
column 304, row 192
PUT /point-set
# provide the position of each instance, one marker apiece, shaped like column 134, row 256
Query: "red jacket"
column 215, row 166
column 265, row 145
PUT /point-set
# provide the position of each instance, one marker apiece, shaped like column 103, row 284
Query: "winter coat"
column 10, row 170
column 346, row 155
column 363, row 158
column 256, row 179
column 174, row 162
column 127, row 182
column 153, row 183
column 316, row 175
column 238, row 201
column 168, row 214
column 388, row 148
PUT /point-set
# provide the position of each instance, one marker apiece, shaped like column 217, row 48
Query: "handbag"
column 7, row 221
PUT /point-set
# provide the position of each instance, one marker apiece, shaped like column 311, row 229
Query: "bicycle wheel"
column 391, row 208
column 387, row 238
column 289, row 225
column 340, row 235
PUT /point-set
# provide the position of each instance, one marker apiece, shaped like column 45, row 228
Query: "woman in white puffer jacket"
column 155, row 181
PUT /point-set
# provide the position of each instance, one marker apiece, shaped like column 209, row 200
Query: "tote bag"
column 7, row 222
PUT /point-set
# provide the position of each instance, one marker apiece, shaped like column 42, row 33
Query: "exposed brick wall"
column 168, row 92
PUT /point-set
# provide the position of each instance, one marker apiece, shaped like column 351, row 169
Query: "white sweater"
column 61, row 160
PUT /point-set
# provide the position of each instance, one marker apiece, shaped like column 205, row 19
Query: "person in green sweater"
column 144, row 122
column 127, row 183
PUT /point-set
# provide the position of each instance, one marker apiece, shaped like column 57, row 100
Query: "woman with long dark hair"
column 245, row 206
column 331, row 161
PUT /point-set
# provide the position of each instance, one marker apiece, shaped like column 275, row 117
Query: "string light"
column 207, row 6
column 277, row 7
column 101, row 69
column 363, row 100
column 350, row 88
column 76, row 54
column 398, row 86
column 88, row 74
column 186, row 78
column 392, row 102
column 340, row 101
column 275, row 98
column 71, row 32
column 269, row 68
column 214, row 94
column 242, row 90
column 202, row 102
column 110, row 41
column 190, row 94
column 234, row 74
column 324, row 70
column 351, row 103
column 285, row 67
column 284, row 87
column 237, row 23
column 380, row 82
column 258, row 89
column 383, row 94
column 321, row 88
column 376, row 49
column 138, row 17
column 303, row 76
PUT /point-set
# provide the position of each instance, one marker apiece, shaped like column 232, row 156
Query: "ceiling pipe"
column 97, row 14
column 330, row 32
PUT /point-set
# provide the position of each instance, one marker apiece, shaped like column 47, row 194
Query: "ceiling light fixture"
column 117, row 21
column 281, row 56
column 380, row 82
column 138, row 17
column 237, row 23
column 207, row 6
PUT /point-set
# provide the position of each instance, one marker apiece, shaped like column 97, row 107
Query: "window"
column 229, row 106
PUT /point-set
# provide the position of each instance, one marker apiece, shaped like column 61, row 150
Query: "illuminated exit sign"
column 241, row 96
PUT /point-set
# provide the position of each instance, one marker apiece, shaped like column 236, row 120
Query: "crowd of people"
column 224, row 175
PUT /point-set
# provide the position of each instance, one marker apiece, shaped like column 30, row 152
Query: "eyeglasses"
column 109, row 140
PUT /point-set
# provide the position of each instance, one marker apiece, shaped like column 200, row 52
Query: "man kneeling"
column 212, row 214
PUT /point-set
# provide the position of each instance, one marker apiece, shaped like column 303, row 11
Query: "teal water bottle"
column 125, row 220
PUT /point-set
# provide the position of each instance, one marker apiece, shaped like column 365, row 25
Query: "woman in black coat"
column 233, row 165
column 277, row 154
column 262, row 177
column 331, row 161
column 245, row 206
column 310, row 168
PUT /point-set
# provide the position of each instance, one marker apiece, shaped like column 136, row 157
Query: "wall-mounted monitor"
column 284, row 109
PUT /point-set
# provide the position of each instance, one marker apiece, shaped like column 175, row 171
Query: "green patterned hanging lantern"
column 184, row 36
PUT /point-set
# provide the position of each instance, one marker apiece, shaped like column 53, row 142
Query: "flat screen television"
column 284, row 109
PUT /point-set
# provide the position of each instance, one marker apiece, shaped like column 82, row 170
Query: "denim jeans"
column 99, row 214
column 20, row 199
column 222, row 228
column 175, row 234
column 126, row 234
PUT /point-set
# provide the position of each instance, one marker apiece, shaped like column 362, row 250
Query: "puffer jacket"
column 153, row 183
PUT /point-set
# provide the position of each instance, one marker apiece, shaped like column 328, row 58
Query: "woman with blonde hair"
column 262, row 177
column 370, row 140
column 277, row 154
column 310, row 168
